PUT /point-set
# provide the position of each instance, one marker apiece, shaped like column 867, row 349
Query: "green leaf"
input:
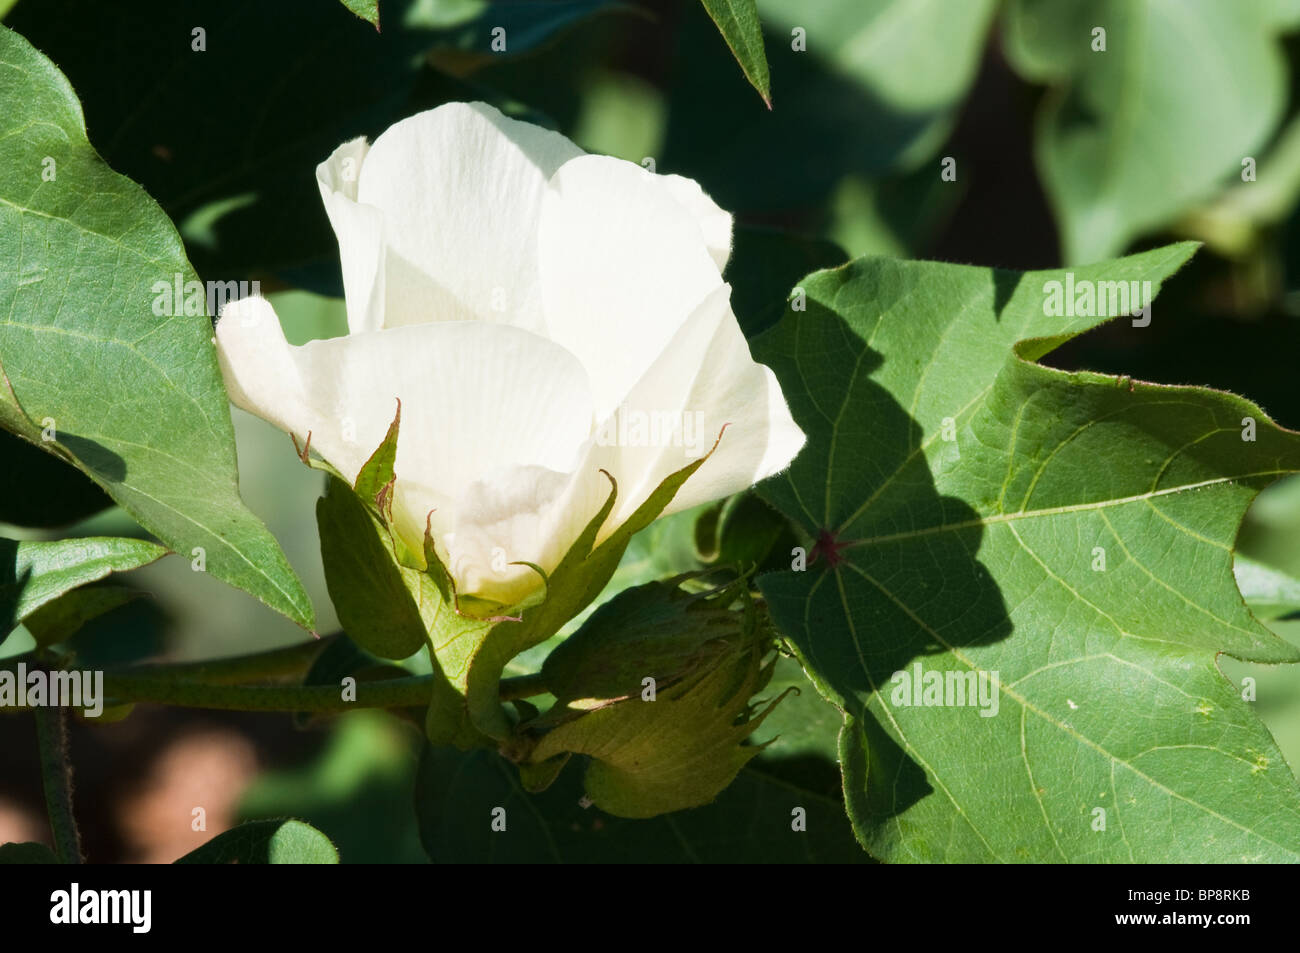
column 266, row 842
column 59, row 620
column 33, row 574
column 1270, row 593
column 26, row 853
column 738, row 22
column 750, row 822
column 134, row 399
column 367, row 10
column 1070, row 533
column 1131, row 137
column 366, row 585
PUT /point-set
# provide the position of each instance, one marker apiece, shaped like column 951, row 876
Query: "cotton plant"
column 818, row 560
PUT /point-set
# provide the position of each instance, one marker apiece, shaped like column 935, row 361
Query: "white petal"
column 360, row 232
column 477, row 399
column 714, row 223
column 508, row 518
column 460, row 189
column 703, row 382
column 622, row 268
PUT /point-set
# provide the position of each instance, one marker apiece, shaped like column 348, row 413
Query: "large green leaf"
column 133, row 398
column 1074, row 537
column 33, row 574
column 738, row 22
column 1132, row 136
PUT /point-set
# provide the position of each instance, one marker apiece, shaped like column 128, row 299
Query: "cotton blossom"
column 542, row 315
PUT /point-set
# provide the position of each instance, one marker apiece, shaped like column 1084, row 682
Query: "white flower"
column 541, row 314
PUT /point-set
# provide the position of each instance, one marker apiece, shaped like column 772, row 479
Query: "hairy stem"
column 214, row 684
column 158, row 687
column 56, row 776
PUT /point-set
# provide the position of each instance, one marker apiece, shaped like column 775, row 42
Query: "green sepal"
column 370, row 594
column 575, row 582
column 374, row 482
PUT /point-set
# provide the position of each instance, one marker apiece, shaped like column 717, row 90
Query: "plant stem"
column 158, row 687
column 212, row 684
column 56, row 775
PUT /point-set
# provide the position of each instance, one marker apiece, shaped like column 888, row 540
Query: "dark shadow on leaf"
column 1005, row 284
column 106, row 464
column 881, row 592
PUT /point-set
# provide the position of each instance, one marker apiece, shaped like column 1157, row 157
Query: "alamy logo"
column 643, row 428
column 75, row 905
column 946, row 689
column 41, row 689
column 1093, row 299
column 179, row 298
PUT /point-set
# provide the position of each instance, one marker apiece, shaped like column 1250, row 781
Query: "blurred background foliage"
column 1063, row 154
